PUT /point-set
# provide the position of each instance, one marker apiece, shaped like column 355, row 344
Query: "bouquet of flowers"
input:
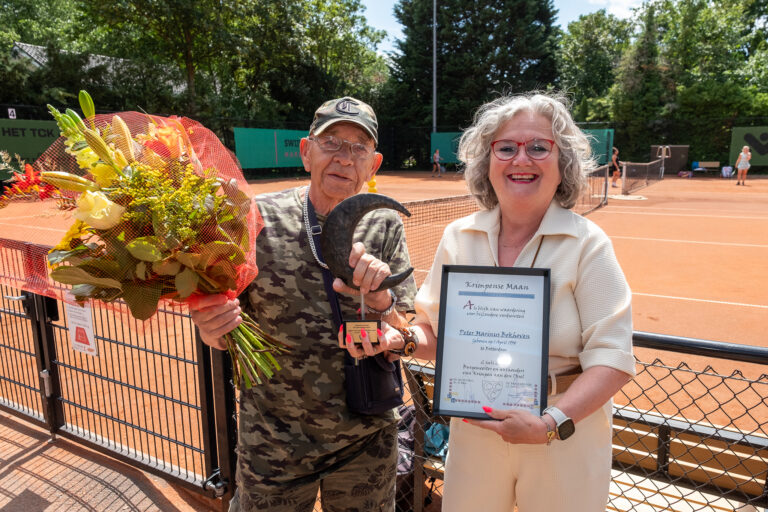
column 160, row 215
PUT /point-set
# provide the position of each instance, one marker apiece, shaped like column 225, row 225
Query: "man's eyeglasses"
column 332, row 144
column 536, row 149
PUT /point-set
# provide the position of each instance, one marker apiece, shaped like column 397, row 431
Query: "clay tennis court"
column 694, row 251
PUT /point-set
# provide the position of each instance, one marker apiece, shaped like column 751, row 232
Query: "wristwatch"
column 564, row 425
column 411, row 340
column 386, row 311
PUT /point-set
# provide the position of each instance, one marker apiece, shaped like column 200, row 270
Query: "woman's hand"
column 517, row 427
column 389, row 339
column 215, row 316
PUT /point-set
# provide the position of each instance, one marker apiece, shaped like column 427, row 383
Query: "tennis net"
column 425, row 226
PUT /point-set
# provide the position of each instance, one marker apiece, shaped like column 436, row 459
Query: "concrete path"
column 39, row 476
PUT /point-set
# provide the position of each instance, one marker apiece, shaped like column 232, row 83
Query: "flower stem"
column 252, row 351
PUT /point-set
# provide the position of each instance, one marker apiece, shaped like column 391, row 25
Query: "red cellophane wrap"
column 173, row 146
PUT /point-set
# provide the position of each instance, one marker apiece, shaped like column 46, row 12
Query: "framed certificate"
column 493, row 340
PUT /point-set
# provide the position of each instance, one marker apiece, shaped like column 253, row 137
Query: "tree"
column 343, row 45
column 702, row 40
column 192, row 35
column 304, row 52
column 478, row 55
column 41, row 23
column 588, row 57
column 641, row 92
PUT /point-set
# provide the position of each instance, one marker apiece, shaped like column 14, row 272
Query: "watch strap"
column 386, row 311
column 558, row 415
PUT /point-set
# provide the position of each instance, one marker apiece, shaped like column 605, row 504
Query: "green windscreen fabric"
column 602, row 144
column 447, row 143
column 26, row 138
column 263, row 148
column 756, row 137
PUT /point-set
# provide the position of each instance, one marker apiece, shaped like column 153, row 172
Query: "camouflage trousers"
column 364, row 484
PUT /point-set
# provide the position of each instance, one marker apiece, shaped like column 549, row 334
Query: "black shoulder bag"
column 373, row 384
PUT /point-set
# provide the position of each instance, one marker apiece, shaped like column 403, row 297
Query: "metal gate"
column 147, row 397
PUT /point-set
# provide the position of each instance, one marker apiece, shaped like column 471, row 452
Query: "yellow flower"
column 103, row 174
column 96, row 210
column 76, row 230
column 85, row 157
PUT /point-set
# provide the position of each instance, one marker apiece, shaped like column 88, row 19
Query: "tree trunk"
column 189, row 64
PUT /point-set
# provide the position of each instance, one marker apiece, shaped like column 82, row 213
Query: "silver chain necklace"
column 310, row 232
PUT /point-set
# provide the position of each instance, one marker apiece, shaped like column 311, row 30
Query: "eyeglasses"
column 536, row 149
column 332, row 144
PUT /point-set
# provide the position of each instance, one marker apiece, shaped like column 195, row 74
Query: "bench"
column 706, row 166
column 698, row 455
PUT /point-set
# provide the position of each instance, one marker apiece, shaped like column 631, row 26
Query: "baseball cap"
column 348, row 110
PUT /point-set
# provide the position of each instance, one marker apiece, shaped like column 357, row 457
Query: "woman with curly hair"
column 525, row 163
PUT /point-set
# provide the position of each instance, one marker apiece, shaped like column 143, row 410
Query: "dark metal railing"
column 148, row 397
column 690, row 432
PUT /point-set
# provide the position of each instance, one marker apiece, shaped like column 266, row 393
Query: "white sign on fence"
column 11, row 113
column 80, row 322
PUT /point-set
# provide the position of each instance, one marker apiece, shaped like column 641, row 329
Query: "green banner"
column 28, row 139
column 602, row 144
column 448, row 144
column 262, row 148
column 756, row 137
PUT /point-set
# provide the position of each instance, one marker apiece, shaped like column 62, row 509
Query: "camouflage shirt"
column 297, row 425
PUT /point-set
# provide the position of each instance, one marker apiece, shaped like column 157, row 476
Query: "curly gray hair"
column 575, row 160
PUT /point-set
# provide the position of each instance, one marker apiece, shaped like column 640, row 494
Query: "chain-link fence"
column 690, row 431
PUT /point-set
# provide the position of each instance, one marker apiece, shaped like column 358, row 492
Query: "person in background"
column 525, row 163
column 616, row 167
column 296, row 433
column 436, row 164
column 742, row 165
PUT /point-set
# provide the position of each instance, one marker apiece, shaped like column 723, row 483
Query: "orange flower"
column 170, row 139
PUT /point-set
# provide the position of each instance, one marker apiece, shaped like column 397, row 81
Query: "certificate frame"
column 502, row 295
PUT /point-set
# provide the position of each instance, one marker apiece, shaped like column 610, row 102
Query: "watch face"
column 566, row 429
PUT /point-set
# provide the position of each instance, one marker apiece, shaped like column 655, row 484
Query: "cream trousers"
column 483, row 472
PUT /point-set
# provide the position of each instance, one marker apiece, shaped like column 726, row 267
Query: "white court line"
column 760, row 306
column 729, row 244
column 651, row 208
column 683, row 215
column 59, row 230
column 33, row 216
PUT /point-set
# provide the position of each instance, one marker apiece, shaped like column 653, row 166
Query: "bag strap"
column 314, row 230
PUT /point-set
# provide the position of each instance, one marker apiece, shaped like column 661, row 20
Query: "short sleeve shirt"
column 297, row 424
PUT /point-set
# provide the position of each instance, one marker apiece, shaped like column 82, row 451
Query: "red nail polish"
column 487, row 409
column 349, row 338
column 381, row 334
column 464, row 420
column 341, row 329
column 363, row 334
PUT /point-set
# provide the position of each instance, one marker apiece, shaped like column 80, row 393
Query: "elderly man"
column 296, row 433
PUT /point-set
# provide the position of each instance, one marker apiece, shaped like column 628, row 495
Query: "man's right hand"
column 215, row 316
